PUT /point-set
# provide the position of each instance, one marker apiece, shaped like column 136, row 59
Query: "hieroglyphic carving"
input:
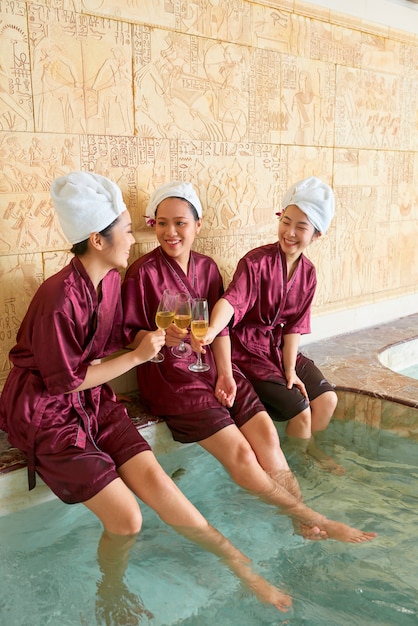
column 21, row 276
column 308, row 97
column 15, row 77
column 372, row 109
column 82, row 69
column 29, row 163
column 185, row 84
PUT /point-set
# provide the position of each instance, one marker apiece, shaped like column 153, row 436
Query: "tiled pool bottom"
column 368, row 392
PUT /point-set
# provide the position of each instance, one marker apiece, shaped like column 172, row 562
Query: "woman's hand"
column 226, row 390
column 150, row 344
column 174, row 335
column 197, row 344
column 294, row 380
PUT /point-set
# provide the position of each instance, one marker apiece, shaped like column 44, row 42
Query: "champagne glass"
column 199, row 326
column 182, row 319
column 164, row 316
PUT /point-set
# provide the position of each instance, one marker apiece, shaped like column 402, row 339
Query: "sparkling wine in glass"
column 182, row 319
column 199, row 327
column 164, row 316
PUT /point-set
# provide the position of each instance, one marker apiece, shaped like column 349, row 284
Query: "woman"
column 58, row 409
column 219, row 408
column 279, row 282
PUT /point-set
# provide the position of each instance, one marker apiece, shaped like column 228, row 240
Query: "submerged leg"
column 233, row 450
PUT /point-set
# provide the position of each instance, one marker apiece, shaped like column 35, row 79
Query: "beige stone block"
column 16, row 111
column 21, row 276
column 369, row 110
column 335, row 44
column 187, row 86
column 307, row 102
column 30, row 162
column 271, row 28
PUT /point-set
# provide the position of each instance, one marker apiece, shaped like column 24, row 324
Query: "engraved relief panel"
column 223, row 19
column 29, row 163
column 299, row 162
column 15, row 91
column 369, row 109
column 56, row 70
column 272, row 28
column 184, row 84
column 264, row 123
column 366, row 238
column 380, row 53
column 136, row 165
column 335, row 44
column 21, row 275
column 82, row 68
column 307, row 102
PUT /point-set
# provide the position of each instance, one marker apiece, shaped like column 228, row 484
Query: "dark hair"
column 78, row 249
column 191, row 207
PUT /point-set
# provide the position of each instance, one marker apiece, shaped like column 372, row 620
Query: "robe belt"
column 33, row 428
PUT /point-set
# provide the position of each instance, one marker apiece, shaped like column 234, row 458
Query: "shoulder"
column 261, row 254
column 203, row 259
column 307, row 264
column 144, row 262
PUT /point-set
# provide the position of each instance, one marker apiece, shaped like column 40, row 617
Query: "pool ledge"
column 366, row 387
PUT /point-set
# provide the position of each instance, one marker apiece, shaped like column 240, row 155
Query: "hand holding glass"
column 164, row 316
column 182, row 319
column 199, row 326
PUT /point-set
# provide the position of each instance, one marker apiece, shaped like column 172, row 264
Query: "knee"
column 300, row 426
column 323, row 409
column 325, row 403
column 241, row 462
column 128, row 523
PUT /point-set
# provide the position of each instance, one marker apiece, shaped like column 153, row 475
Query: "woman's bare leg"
column 233, row 450
column 144, row 476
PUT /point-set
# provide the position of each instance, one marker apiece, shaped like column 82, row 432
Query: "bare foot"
column 329, row 465
column 269, row 594
column 324, row 461
column 313, row 533
column 341, row 532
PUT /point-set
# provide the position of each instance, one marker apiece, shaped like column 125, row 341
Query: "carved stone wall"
column 241, row 98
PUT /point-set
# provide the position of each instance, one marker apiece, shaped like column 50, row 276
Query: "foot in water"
column 324, row 461
column 342, row 532
column 312, row 533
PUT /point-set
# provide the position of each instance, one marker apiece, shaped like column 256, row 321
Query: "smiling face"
column 117, row 244
column 296, row 232
column 176, row 229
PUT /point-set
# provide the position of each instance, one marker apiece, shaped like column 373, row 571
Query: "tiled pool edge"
column 368, row 391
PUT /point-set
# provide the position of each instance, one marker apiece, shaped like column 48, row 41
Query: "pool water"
column 411, row 371
column 49, row 572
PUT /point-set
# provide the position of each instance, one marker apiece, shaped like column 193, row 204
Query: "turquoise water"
column 49, row 572
column 411, row 371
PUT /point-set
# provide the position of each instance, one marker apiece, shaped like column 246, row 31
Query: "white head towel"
column 315, row 199
column 175, row 189
column 85, row 203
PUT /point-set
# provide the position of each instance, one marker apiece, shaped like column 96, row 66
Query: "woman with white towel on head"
column 57, row 407
column 269, row 302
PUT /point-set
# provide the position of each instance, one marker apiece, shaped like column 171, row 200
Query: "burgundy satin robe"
column 65, row 328
column 266, row 307
column 169, row 388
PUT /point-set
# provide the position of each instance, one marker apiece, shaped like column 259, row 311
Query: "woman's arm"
column 290, row 353
column 221, row 314
column 146, row 345
column 226, row 388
